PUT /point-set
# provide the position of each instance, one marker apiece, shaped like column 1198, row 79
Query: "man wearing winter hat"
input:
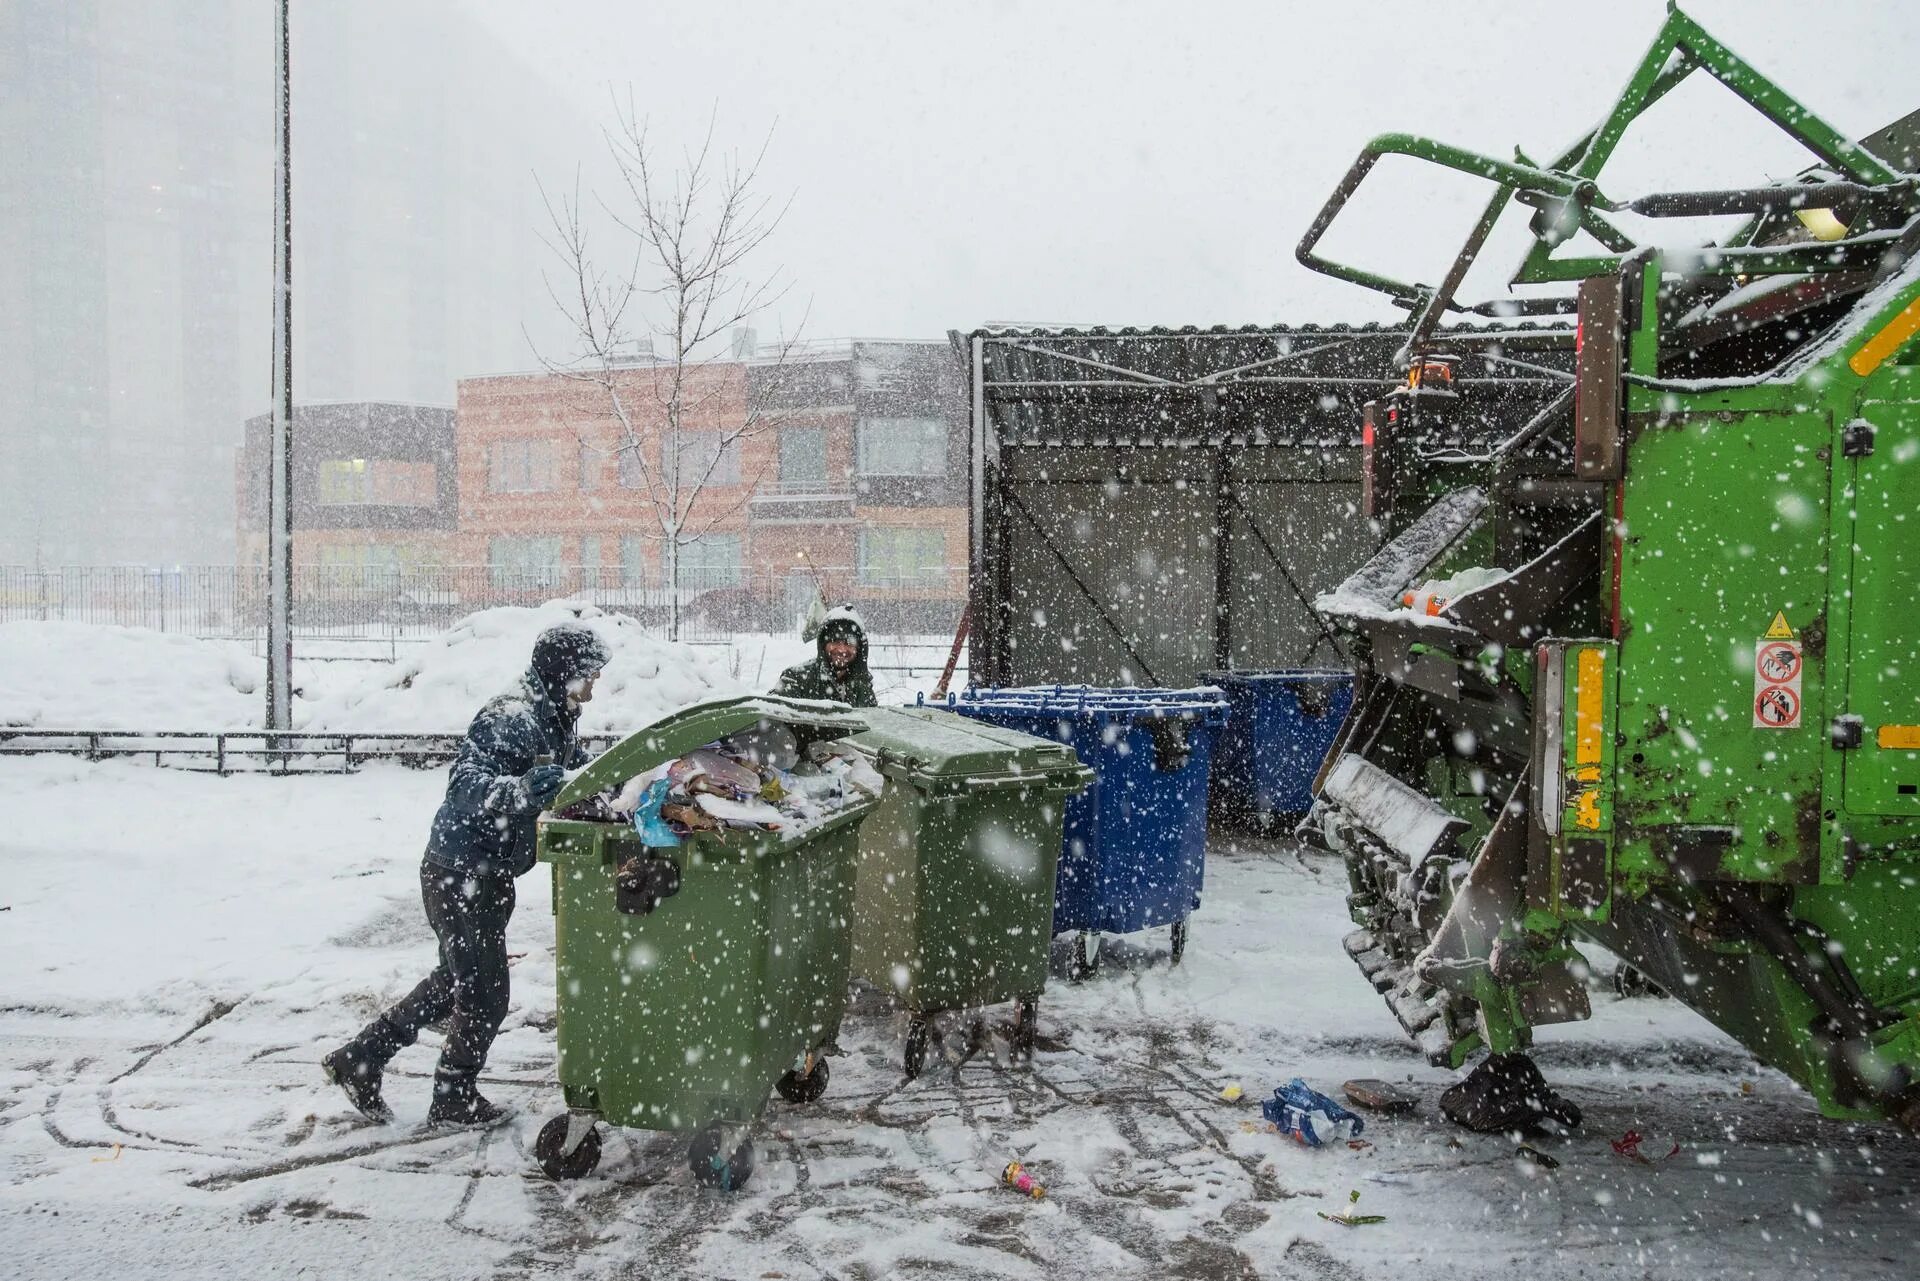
column 509, row 766
column 838, row 670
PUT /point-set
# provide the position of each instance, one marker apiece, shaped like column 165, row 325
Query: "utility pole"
column 280, row 464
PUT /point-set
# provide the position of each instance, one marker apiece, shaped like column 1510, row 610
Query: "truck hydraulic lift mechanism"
column 1643, row 670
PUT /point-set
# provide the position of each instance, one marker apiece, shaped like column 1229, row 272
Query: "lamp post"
column 280, row 463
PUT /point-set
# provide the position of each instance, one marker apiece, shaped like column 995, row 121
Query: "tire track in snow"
column 272, row 1169
column 52, row 1110
column 215, row 1012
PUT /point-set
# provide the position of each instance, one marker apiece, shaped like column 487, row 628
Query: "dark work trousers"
column 468, row 988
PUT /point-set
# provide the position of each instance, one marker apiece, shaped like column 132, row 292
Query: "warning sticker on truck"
column 1776, row 707
column 1776, row 679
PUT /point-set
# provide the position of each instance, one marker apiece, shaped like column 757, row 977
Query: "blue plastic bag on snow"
column 1310, row 1117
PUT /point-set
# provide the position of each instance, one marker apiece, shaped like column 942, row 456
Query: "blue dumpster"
column 1280, row 728
column 1135, row 843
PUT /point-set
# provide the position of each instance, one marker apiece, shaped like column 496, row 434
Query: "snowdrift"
column 84, row 676
column 440, row 685
column 58, row 675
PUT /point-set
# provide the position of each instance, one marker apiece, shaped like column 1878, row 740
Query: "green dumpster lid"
column 694, row 727
column 941, row 744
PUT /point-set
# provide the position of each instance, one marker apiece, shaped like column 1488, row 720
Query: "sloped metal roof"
column 1289, row 385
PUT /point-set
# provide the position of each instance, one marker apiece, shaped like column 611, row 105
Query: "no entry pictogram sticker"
column 1777, row 662
column 1777, row 707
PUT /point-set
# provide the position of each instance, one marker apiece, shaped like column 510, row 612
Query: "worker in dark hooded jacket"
column 838, row 671
column 510, row 765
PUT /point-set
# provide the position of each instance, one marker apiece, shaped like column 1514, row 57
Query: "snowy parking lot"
column 179, row 949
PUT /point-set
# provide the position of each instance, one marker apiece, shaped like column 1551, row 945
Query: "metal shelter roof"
column 1285, row 385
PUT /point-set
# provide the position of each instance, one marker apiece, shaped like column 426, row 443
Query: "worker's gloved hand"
column 541, row 784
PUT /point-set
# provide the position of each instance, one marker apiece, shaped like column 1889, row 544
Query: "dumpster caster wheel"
column 718, row 1160
column 918, row 1034
column 1026, row 1022
column 1629, row 983
column 797, row 1087
column 550, row 1148
column 1179, row 940
column 1086, row 956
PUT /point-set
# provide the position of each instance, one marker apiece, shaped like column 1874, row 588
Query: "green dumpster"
column 682, row 1012
column 955, row 883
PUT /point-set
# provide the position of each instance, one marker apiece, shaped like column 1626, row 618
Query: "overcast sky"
column 1117, row 162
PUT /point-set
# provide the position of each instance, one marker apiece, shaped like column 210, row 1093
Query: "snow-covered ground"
column 179, row 949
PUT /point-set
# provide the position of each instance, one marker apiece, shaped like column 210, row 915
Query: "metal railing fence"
column 249, row 751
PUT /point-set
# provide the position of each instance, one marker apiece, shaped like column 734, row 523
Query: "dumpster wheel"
column 721, row 1156
column 804, row 1087
column 1086, row 956
column 919, row 1032
column 1629, row 983
column 550, row 1149
column 1178, row 937
column 1026, row 1020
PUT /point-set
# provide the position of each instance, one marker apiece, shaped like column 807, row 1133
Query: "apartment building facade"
column 375, row 489
column 841, row 466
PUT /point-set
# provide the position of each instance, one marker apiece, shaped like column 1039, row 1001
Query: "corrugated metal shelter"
column 1150, row 504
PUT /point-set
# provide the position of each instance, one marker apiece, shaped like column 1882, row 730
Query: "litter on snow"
column 1628, row 1145
column 1020, row 1179
column 1379, row 1096
column 1310, row 1117
column 1350, row 1219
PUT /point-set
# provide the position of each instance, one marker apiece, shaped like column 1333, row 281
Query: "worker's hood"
column 842, row 624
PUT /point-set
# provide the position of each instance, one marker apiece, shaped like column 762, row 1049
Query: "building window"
column 344, row 482
column 589, row 467
column 803, row 460
column 368, row 565
column 633, row 560
column 524, row 562
column 379, row 482
column 520, row 466
column 902, row 447
column 632, row 474
column 711, row 561
column 898, row 556
column 698, row 450
column 401, row 484
column 590, row 561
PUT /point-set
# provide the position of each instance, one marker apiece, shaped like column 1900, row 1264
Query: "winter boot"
column 457, row 1104
column 357, row 1073
column 1506, row 1094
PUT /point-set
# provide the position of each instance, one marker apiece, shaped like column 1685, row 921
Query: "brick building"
column 553, row 489
column 854, row 478
column 374, row 487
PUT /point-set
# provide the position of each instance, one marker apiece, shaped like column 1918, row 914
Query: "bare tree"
column 652, row 326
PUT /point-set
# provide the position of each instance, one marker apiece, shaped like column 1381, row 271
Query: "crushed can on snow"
column 1021, row 1180
column 1310, row 1117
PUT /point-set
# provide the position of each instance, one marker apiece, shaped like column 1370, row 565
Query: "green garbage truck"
column 696, row 974
column 1639, row 668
